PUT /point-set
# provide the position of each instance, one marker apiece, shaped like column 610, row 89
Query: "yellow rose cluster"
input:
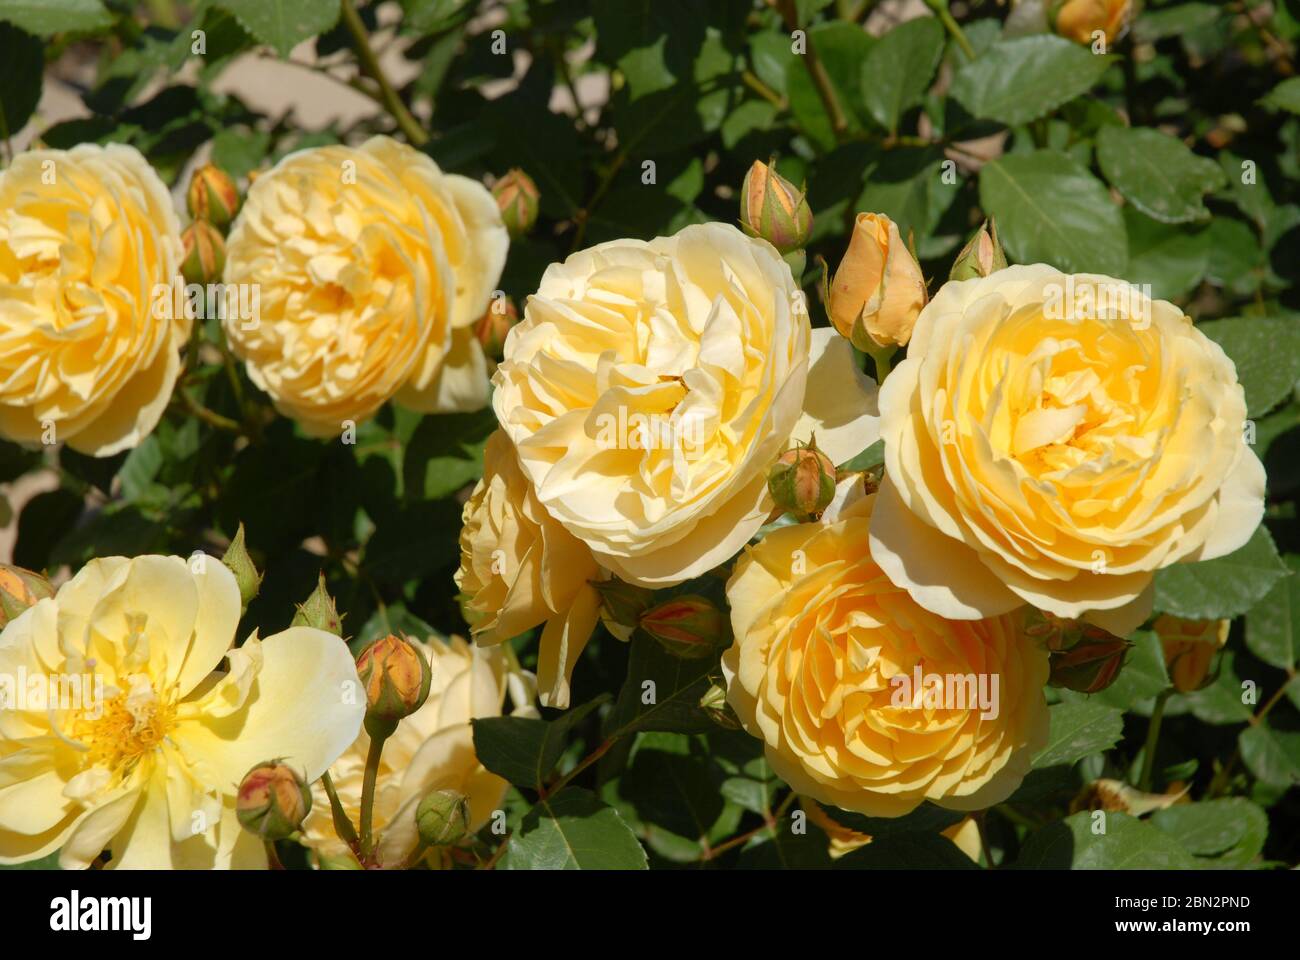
column 642, row 400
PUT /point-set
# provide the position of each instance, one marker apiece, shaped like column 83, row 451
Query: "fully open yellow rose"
column 651, row 385
column 371, row 266
column 519, row 568
column 863, row 698
column 88, row 237
column 140, row 744
column 432, row 749
column 1057, row 439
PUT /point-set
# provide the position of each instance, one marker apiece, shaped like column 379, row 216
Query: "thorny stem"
column 816, row 70
column 370, row 67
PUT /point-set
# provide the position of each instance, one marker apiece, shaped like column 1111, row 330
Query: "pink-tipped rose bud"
column 212, row 196
column 982, row 255
column 20, row 589
column 518, row 200
column 688, row 626
column 396, row 678
column 802, row 481
column 273, row 800
column 772, row 207
column 205, row 253
column 490, row 329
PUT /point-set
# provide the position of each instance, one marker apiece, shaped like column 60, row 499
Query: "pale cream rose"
column 520, row 569
column 824, row 665
column 652, row 384
column 371, row 266
column 1050, row 440
column 1190, row 647
column 142, row 748
column 432, row 749
column 88, row 239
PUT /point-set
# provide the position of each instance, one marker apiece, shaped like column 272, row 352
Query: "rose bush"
column 753, row 384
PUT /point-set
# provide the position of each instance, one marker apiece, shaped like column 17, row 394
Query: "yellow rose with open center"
column 432, row 749
column 371, row 265
column 651, row 385
column 864, row 699
column 120, row 732
column 90, row 352
column 1055, row 440
column 519, row 569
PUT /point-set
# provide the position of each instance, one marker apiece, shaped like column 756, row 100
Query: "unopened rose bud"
column 981, row 256
column 1190, row 647
column 1089, row 667
column 1058, row 634
column 240, row 564
column 490, row 329
column 20, row 589
column 1078, row 20
column 714, row 703
column 621, row 605
column 212, row 196
column 802, row 481
column 273, row 800
column 517, row 197
column 443, row 818
column 319, row 611
column 878, row 290
column 396, row 678
column 772, row 207
column 205, row 253
column 688, row 626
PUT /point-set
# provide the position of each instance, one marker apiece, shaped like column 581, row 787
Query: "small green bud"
column 981, row 256
column 238, row 561
column 518, row 199
column 205, row 253
column 688, row 626
column 273, row 800
column 443, row 818
column 772, row 207
column 714, row 703
column 319, row 611
column 802, row 481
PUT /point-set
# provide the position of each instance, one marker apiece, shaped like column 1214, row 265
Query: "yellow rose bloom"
column 650, row 386
column 864, row 699
column 138, row 743
column 432, row 749
column 87, row 237
column 371, row 266
column 1190, row 647
column 519, row 568
column 1078, row 20
column 1055, row 440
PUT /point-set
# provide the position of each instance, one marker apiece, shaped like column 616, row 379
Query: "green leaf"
column 1229, row 832
column 1285, row 96
column 1266, row 353
column 1126, row 844
column 445, row 453
column 898, row 69
column 1173, row 21
column 1079, row 730
column 1220, row 703
column 779, row 848
column 524, row 750
column 910, row 851
column 22, row 66
column 927, row 818
column 284, row 23
column 1271, row 755
column 661, row 692
column 1157, row 173
column 1226, row 587
column 868, row 459
column 47, row 17
column 573, row 830
column 1049, row 208
column 842, row 48
column 45, row 520
column 1171, row 258
column 673, row 787
column 1273, row 624
column 1019, row 80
